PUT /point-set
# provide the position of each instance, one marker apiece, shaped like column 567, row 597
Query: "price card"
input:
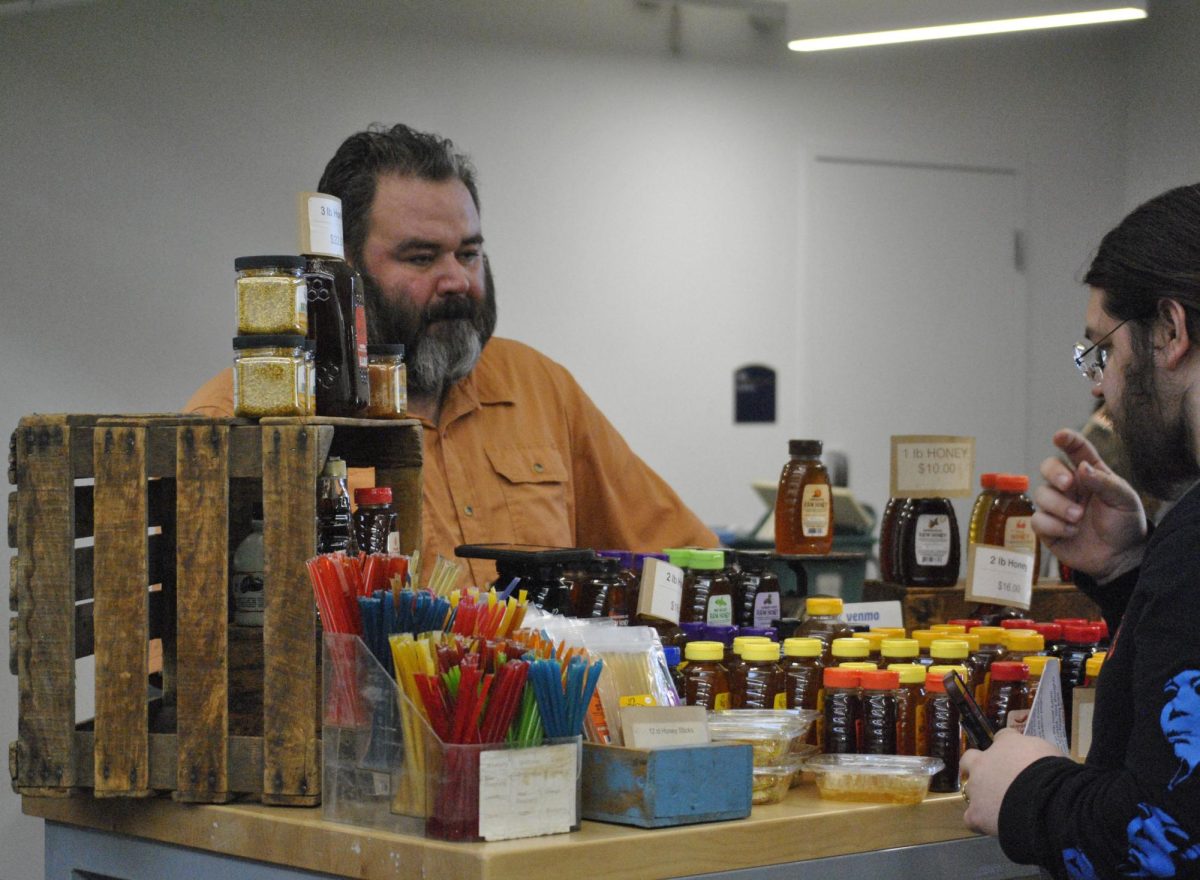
column 661, row 591
column 1000, row 577
column 932, row 466
column 528, row 792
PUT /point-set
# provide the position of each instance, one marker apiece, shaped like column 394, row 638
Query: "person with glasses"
column 1133, row 809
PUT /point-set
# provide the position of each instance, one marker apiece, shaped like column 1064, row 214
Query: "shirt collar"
column 483, row 386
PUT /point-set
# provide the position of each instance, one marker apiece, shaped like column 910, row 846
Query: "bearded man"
column 1133, row 809
column 514, row 450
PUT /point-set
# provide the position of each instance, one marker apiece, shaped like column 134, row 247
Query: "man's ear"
column 1172, row 340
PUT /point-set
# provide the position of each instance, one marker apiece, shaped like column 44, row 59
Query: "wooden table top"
column 802, row 827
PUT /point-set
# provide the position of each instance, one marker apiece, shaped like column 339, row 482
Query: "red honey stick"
column 324, row 577
column 472, row 731
column 465, row 702
column 504, row 703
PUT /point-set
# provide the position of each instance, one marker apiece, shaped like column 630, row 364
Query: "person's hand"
column 1016, row 720
column 990, row 773
column 1090, row 518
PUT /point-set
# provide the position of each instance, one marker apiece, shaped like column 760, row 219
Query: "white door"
column 912, row 313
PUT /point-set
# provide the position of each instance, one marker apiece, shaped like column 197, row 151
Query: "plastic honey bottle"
column 909, row 736
column 927, row 543
column 823, row 620
column 756, row 592
column 804, row 504
column 707, row 593
column 1009, row 522
column 943, row 737
column 705, row 681
column 842, row 711
column 758, row 683
column 979, row 510
column 1008, row 693
column 879, row 711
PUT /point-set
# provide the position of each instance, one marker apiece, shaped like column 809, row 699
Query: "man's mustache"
column 451, row 309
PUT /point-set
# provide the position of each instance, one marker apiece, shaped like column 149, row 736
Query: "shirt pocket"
column 535, row 483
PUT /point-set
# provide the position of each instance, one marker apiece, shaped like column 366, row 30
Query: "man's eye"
column 469, row 256
column 419, row 259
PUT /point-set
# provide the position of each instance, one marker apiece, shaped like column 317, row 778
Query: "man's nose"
column 453, row 278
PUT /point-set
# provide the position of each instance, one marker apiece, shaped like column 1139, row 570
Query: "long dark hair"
column 1153, row 254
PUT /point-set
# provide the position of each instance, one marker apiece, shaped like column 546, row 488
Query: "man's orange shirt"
column 523, row 456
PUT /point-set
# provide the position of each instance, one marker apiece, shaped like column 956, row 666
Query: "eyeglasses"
column 1092, row 358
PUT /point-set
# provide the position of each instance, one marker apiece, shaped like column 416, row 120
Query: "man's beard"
column 1160, row 449
column 442, row 341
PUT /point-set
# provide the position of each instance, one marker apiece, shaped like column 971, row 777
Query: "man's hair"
column 1153, row 254
column 352, row 173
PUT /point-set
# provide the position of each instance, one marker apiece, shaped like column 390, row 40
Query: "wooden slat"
column 121, row 612
column 12, row 520
column 244, row 766
column 291, row 768
column 156, row 550
column 16, row 571
column 12, row 459
column 202, row 515
column 45, row 635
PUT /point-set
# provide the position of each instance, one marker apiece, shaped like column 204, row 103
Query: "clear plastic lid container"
column 772, row 733
column 889, row 779
column 771, row 782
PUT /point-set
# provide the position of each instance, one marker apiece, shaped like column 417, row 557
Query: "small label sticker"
column 1000, row 576
column 767, row 609
column 781, row 700
column 815, row 511
column 528, row 792
column 1019, row 536
column 720, row 611
column 932, row 466
column 638, row 700
column 721, row 701
column 933, row 539
column 323, row 234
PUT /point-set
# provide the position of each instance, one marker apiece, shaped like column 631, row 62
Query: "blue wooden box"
column 671, row 786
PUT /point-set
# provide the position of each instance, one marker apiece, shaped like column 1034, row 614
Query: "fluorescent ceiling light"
column 967, row 29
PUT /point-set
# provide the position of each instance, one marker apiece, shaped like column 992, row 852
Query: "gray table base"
column 74, row 853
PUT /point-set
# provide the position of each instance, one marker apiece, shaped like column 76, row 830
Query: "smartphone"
column 974, row 722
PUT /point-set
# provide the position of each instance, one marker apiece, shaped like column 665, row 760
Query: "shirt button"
column 537, row 468
column 469, row 510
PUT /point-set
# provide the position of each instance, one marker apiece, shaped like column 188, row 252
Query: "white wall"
column 640, row 208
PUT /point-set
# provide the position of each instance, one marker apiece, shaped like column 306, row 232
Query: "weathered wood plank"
column 291, row 755
column 16, row 571
column 202, row 517
column 121, row 610
column 244, row 767
column 13, row 510
column 157, row 550
column 45, row 635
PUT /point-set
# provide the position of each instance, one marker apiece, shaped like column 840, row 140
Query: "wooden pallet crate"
column 123, row 527
column 924, row 606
